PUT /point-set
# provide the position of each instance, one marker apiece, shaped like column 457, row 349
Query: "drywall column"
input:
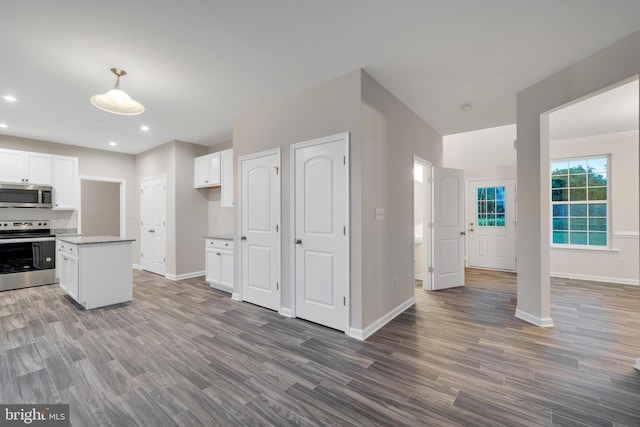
column 607, row 67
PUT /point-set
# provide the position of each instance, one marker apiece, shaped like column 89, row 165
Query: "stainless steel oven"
column 27, row 254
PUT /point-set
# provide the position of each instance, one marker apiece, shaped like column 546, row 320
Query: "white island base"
column 96, row 271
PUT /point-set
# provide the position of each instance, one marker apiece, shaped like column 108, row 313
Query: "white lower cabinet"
column 97, row 274
column 67, row 256
column 219, row 263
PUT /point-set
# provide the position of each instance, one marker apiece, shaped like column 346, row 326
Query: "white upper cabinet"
column 65, row 183
column 226, row 198
column 207, row 170
column 23, row 167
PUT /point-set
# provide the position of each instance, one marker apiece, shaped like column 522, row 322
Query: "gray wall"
column 190, row 211
column 391, row 135
column 607, row 67
column 100, row 212
column 329, row 108
column 186, row 206
column 384, row 136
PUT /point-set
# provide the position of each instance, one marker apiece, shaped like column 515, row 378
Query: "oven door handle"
column 27, row 240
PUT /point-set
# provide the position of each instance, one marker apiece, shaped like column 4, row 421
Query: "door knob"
column 298, row 241
column 462, row 233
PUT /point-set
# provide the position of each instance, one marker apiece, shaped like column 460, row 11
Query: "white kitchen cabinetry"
column 219, row 263
column 65, row 183
column 96, row 271
column 68, row 268
column 226, row 198
column 24, row 167
column 207, row 170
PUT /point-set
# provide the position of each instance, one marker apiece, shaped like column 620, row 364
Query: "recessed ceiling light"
column 113, row 144
column 10, row 98
column 144, row 128
column 3, row 125
column 466, row 107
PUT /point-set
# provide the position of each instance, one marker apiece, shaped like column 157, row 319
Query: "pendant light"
column 117, row 101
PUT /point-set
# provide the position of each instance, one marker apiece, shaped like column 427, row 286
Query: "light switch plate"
column 379, row 214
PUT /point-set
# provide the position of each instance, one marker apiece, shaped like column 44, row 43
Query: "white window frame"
column 609, row 233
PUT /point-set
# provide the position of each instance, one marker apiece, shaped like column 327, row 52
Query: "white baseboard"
column 184, row 276
column 605, row 279
column 637, row 364
column 545, row 322
column 221, row 287
column 286, row 312
column 236, row 296
column 362, row 335
column 418, row 276
column 137, row 267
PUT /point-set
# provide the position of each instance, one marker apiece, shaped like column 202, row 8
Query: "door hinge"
column 277, row 286
column 277, row 169
column 344, row 230
column 141, row 254
column 277, row 228
column 430, row 269
column 344, row 160
column 344, row 300
column 164, row 260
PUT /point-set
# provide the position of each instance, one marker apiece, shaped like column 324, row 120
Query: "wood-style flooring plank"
column 182, row 353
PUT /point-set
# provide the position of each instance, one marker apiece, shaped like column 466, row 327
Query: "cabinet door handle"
column 298, row 241
column 218, row 253
column 243, row 237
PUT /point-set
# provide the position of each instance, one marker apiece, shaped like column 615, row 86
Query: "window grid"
column 579, row 201
column 491, row 207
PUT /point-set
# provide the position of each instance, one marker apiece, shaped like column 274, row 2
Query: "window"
column 491, row 207
column 579, row 201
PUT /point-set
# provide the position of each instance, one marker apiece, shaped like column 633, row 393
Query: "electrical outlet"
column 621, row 262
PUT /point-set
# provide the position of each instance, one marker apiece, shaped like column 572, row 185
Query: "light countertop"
column 220, row 236
column 92, row 240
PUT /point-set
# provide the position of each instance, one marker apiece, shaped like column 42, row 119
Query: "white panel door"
column 260, row 229
column 321, row 215
column 491, row 208
column 153, row 216
column 448, row 232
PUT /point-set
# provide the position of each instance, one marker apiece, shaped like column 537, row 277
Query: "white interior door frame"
column 123, row 201
column 239, row 248
column 427, row 222
column 292, row 246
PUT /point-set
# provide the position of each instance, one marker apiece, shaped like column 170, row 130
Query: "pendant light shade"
column 117, row 101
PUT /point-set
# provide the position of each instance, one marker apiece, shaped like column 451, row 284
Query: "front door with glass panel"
column 491, row 223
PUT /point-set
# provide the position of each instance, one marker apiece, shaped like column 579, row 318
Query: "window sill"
column 584, row 248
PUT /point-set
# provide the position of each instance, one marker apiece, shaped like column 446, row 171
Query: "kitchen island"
column 96, row 270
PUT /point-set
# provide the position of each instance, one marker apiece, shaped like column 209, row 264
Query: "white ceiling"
column 613, row 111
column 194, row 64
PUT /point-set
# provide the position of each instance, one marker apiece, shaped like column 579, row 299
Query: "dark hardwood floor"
column 184, row 354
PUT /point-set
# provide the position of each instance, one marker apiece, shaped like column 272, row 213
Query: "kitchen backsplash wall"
column 220, row 220
column 57, row 219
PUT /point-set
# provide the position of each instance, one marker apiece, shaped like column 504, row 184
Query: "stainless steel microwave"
column 25, row 196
